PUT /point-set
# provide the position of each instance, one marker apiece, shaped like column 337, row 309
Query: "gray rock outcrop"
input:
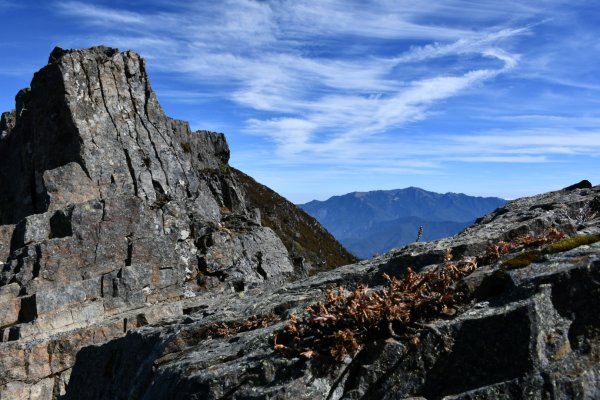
column 526, row 332
column 111, row 214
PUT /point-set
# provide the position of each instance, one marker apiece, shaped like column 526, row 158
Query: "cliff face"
column 111, row 214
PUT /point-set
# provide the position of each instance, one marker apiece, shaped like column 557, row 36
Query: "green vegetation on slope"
column 301, row 234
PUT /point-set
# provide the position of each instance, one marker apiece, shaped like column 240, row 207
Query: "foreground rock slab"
column 525, row 333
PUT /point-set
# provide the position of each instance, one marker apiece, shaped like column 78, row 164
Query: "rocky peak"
column 111, row 215
column 95, row 108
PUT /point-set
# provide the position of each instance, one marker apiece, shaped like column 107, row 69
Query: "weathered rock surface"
column 111, row 215
column 525, row 333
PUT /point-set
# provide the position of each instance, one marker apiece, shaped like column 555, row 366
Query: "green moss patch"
column 524, row 259
column 570, row 243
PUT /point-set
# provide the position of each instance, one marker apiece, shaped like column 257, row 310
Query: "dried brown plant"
column 346, row 320
column 495, row 251
column 229, row 328
column 342, row 324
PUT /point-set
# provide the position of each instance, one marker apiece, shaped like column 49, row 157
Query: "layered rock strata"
column 111, row 214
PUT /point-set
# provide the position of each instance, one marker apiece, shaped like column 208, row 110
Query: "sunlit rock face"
column 112, row 215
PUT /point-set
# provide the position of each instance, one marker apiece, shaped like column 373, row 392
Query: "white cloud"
column 100, row 15
column 373, row 19
column 474, row 43
column 292, row 134
column 512, row 146
column 274, row 58
column 540, row 137
column 555, row 121
column 499, row 159
column 352, row 119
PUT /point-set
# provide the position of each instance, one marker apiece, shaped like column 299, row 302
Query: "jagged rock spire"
column 96, row 108
column 111, row 215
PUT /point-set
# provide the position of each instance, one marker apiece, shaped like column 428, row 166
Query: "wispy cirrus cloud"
column 342, row 83
column 512, row 146
column 483, row 44
column 100, row 15
column 531, row 146
column 350, row 119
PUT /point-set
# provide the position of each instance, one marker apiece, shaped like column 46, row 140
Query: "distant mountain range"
column 367, row 223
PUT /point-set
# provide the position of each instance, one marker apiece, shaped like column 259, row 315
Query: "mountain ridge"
column 301, row 234
column 357, row 218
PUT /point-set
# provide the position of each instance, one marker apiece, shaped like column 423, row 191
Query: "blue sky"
column 319, row 98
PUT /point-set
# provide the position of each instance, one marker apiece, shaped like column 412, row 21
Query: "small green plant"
column 529, row 257
column 523, row 260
